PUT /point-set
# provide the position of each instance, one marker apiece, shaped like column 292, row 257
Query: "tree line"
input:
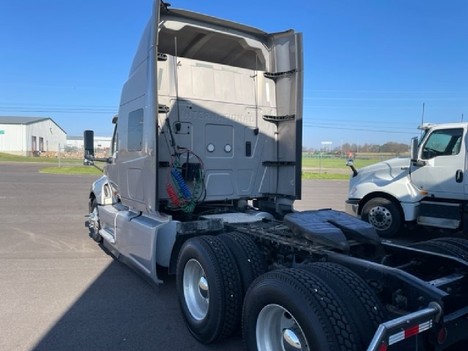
column 389, row 147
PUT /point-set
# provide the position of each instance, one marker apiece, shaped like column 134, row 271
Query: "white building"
column 28, row 136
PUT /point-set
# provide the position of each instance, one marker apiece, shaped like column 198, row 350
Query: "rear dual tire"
column 299, row 309
column 248, row 258
column 209, row 288
column 365, row 311
column 213, row 274
column 456, row 247
column 322, row 306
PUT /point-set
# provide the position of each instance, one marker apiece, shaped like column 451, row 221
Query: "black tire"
column 94, row 223
column 445, row 248
column 248, row 258
column 384, row 215
column 458, row 242
column 363, row 306
column 209, row 288
column 293, row 304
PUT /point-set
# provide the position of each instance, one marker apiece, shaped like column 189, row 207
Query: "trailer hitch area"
column 404, row 327
column 331, row 228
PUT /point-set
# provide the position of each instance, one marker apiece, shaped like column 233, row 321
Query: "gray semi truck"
column 201, row 181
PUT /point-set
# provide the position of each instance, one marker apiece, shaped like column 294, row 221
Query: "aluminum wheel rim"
column 196, row 291
column 380, row 217
column 278, row 330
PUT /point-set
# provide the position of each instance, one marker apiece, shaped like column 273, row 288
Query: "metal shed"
column 27, row 136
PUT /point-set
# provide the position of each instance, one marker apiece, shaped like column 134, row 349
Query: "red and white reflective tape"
column 409, row 332
column 405, row 334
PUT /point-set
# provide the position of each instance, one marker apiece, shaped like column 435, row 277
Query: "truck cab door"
column 440, row 169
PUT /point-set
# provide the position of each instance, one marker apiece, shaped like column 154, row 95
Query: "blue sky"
column 369, row 65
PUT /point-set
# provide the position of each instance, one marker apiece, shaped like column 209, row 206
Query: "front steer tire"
column 209, row 289
column 384, row 215
column 94, row 223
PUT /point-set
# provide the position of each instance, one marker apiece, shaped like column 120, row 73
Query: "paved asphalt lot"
column 60, row 291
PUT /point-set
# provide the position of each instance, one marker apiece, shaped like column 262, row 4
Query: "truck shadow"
column 122, row 311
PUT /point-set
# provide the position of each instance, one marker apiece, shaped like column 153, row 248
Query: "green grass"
column 326, row 176
column 88, row 170
column 317, row 162
column 67, row 165
column 334, row 167
column 13, row 158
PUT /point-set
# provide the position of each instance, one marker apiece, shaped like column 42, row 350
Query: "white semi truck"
column 201, row 182
column 427, row 189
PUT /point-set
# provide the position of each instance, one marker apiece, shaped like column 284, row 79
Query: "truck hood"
column 383, row 173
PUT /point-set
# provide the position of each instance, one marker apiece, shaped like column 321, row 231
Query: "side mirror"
column 414, row 154
column 414, row 149
column 350, row 164
column 88, row 138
